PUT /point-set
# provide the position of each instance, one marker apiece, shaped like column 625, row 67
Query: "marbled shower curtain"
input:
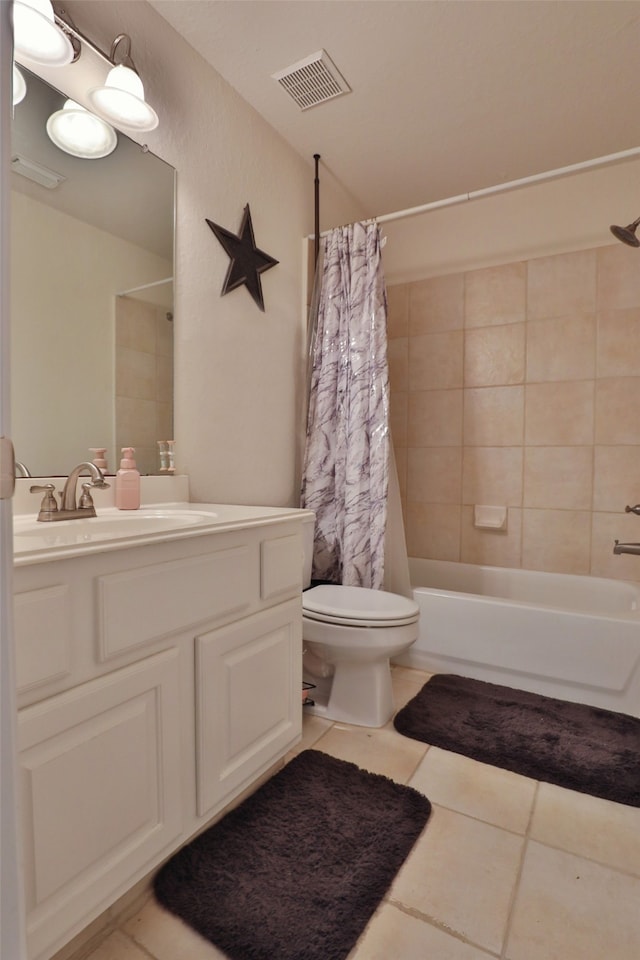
column 346, row 461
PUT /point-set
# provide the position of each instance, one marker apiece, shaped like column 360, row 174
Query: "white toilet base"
column 358, row 693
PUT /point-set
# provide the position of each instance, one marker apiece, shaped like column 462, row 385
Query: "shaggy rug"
column 297, row 870
column 573, row 745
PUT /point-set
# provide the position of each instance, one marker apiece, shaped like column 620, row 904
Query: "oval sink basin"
column 31, row 535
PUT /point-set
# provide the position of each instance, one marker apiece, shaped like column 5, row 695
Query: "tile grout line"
column 518, row 877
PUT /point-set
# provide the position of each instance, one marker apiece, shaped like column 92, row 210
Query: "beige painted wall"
column 519, row 386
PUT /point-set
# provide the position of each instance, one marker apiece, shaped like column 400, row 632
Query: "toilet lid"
column 358, row 606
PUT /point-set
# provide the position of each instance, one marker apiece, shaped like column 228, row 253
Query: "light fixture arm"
column 77, row 38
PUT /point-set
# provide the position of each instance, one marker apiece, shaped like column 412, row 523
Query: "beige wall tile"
column 398, row 414
column 563, row 348
column 492, row 475
column 435, row 418
column 494, row 416
column 494, row 355
column 618, row 277
column 559, row 413
column 398, row 311
column 606, row 529
column 617, row 410
column 433, row 531
column 401, row 467
column 618, row 355
column 436, row 304
column 498, row 548
column 558, row 477
column 557, row 541
column 136, row 374
column 495, row 295
column 561, row 285
column 434, row 474
column 136, row 325
column 164, row 334
column 435, row 361
column 616, row 478
column 398, row 358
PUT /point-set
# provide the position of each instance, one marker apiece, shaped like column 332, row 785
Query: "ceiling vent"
column 36, row 172
column 313, row 80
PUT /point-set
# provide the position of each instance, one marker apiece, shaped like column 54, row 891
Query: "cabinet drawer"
column 42, row 622
column 147, row 603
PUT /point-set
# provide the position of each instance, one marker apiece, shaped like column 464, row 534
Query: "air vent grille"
column 313, row 80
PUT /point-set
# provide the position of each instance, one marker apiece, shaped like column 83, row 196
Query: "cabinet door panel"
column 100, row 794
column 248, row 700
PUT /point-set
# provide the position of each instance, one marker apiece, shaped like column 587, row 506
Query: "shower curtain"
column 346, row 461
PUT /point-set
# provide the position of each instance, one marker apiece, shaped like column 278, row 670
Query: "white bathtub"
column 577, row 638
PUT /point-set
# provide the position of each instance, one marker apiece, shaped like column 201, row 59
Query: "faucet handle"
column 635, row 509
column 86, row 500
column 49, row 504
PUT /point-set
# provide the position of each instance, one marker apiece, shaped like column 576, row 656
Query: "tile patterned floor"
column 506, row 868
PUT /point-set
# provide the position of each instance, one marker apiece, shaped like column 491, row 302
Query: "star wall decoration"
column 247, row 261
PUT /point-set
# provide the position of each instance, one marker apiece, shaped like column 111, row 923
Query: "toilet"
column 349, row 636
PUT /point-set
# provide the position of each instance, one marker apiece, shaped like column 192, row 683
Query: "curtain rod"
column 502, row 187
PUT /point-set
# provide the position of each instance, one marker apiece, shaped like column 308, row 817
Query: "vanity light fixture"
column 121, row 100
column 36, row 35
column 79, row 132
column 19, row 86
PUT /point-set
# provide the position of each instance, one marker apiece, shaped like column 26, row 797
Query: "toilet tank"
column 308, row 527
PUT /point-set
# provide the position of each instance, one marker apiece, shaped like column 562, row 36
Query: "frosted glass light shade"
column 121, row 100
column 19, row 86
column 80, row 133
column 37, row 37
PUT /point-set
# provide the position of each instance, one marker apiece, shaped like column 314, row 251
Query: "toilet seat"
column 358, row 606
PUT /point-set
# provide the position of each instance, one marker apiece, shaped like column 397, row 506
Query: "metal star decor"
column 247, row 261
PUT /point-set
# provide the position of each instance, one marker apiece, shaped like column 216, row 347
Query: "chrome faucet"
column 69, row 509
column 628, row 547
column 21, row 470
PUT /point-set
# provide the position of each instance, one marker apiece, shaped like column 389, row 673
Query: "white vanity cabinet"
column 156, row 683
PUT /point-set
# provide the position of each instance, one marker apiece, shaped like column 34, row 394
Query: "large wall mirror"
column 92, row 297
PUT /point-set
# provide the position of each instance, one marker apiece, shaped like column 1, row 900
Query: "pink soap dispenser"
column 127, row 482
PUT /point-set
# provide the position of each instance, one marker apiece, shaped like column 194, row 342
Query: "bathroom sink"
column 107, row 525
column 31, row 536
column 37, row 541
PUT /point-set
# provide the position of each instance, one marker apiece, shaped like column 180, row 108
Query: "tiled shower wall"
column 144, row 381
column 519, row 386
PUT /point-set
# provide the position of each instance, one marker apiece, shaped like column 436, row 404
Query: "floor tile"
column 394, row 934
column 497, row 796
column 588, row 826
column 377, row 750
column 461, row 875
column 312, row 729
column 406, row 684
column 568, row 907
column 118, row 947
column 166, row 937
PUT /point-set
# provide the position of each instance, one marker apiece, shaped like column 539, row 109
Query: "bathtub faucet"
column 626, row 547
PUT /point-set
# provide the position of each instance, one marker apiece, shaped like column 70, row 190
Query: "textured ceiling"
column 448, row 96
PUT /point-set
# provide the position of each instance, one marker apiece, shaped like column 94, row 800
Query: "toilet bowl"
column 349, row 636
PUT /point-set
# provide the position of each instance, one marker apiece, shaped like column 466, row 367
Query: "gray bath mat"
column 573, row 745
column 298, row 869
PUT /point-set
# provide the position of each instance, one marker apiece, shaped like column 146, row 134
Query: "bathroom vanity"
column 159, row 676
